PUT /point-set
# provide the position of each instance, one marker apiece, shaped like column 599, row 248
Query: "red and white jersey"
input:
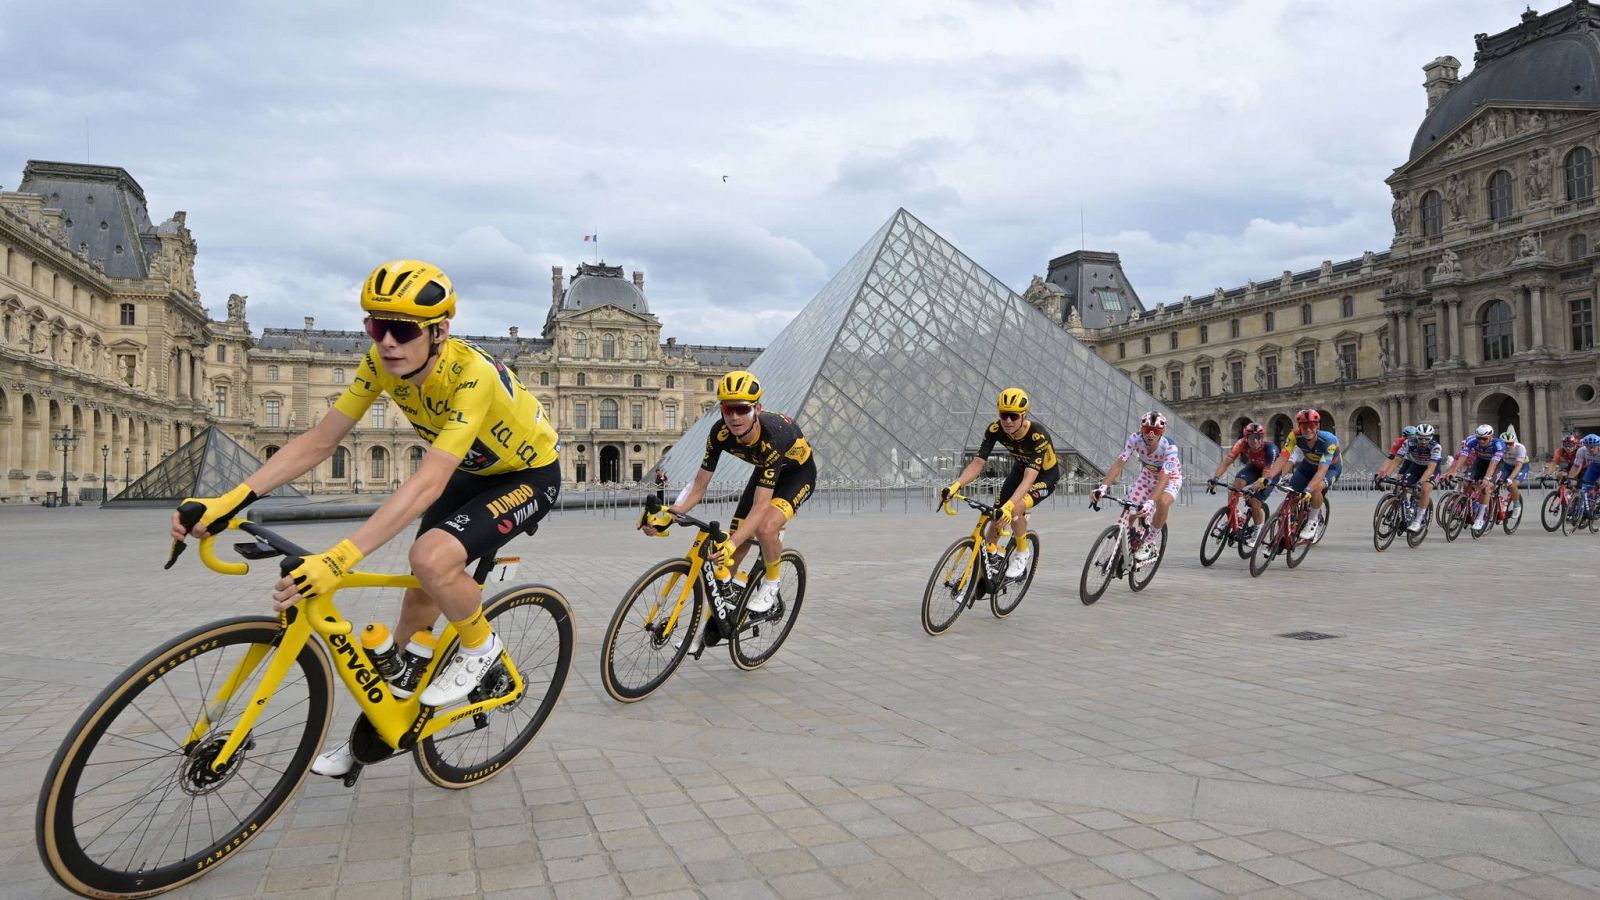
column 1164, row 458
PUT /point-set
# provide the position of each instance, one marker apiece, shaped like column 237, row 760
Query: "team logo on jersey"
column 459, row 523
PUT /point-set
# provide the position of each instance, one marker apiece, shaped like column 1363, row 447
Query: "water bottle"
column 415, row 659
column 379, row 644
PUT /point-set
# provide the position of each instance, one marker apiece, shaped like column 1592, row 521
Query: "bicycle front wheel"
column 1415, row 538
column 1551, row 512
column 1004, row 599
column 637, row 654
column 1513, row 516
column 534, row 623
column 1327, row 519
column 132, row 805
column 759, row 635
column 1268, row 542
column 1215, row 538
column 1385, row 523
column 1454, row 516
column 1101, row 566
column 1140, row 574
column 953, row 580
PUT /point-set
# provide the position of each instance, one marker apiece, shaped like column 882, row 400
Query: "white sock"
column 480, row 651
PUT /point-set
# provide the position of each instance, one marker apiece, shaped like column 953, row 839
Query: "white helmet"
column 1425, row 430
column 1153, row 421
column 1485, row 431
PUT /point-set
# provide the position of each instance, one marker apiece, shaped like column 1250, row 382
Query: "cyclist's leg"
column 991, row 535
column 1165, row 500
column 740, row 512
column 418, row 611
column 1043, row 486
column 1480, row 473
column 793, row 489
column 1250, row 475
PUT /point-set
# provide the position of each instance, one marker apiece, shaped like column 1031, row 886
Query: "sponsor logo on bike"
column 369, row 680
column 179, row 660
column 232, row 844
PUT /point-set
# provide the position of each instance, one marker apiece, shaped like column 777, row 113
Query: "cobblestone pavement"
column 1163, row 744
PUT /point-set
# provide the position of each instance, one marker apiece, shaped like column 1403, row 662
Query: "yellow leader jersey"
column 470, row 406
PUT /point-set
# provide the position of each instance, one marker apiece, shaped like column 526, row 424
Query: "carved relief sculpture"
column 1449, row 265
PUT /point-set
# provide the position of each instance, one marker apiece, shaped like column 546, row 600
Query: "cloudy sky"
column 1207, row 141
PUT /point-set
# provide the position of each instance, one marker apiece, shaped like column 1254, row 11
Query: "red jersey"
column 1259, row 458
column 1563, row 458
column 1394, row 448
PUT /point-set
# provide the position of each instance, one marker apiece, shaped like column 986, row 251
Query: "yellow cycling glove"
column 318, row 575
column 207, row 512
column 660, row 520
column 1006, row 511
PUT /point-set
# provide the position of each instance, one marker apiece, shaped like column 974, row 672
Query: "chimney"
column 1442, row 75
column 638, row 281
column 513, row 332
column 672, row 342
column 311, row 322
column 555, row 285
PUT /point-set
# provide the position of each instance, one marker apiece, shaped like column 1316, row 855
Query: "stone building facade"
column 101, row 333
column 619, row 395
column 1482, row 309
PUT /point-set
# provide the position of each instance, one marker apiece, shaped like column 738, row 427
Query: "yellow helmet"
column 739, row 387
column 1013, row 400
column 408, row 289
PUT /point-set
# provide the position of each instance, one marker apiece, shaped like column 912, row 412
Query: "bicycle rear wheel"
column 1551, row 511
column 954, row 578
column 1215, row 538
column 1327, row 519
column 1490, row 513
column 759, row 635
column 1295, row 553
column 1101, row 566
column 1513, row 516
column 1005, row 599
column 1415, row 538
column 1454, row 516
column 636, row 656
column 1139, row 575
column 1443, row 507
column 131, row 806
column 1385, row 523
column 534, row 623
column 1268, row 543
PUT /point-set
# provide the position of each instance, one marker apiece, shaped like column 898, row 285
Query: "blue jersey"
column 1324, row 448
column 1415, row 451
column 1492, row 449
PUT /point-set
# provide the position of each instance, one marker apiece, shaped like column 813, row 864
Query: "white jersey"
column 1516, row 452
column 1163, row 459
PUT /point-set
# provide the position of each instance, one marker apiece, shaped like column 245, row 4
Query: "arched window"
column 378, row 467
column 338, row 376
column 1432, row 214
column 1305, row 314
column 341, row 464
column 608, row 413
column 269, row 452
column 1580, row 174
column 582, row 379
column 711, row 384
column 580, row 345
column 416, row 454
column 671, row 381
column 638, row 381
column 544, row 379
column 636, row 346
column 1500, row 195
column 1497, row 342
column 608, row 346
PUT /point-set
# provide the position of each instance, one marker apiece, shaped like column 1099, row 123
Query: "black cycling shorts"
column 1044, row 484
column 795, row 484
column 1480, row 467
column 484, row 512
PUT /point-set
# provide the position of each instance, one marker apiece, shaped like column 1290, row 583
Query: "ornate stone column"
column 1536, row 315
column 1458, row 407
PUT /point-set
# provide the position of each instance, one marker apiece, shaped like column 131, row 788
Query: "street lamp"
column 66, row 440
column 127, row 467
column 146, row 470
column 105, row 473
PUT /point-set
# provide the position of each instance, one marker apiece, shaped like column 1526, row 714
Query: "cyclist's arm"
column 1227, row 459
column 1113, row 473
column 691, row 495
column 972, row 470
column 302, row 453
column 415, row 495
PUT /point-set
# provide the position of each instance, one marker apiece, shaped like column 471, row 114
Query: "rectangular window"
column 1205, row 334
column 637, row 414
column 380, row 411
column 220, row 406
column 1308, row 367
column 672, row 418
column 1305, row 314
column 1233, row 328
column 544, row 379
column 1430, row 344
column 1270, row 363
column 608, row 414
column 1122, row 349
column 580, row 415
column 1149, row 384
column 1146, row 346
column 1236, row 375
column 1172, row 340
column 222, row 353
column 1175, row 382
column 1347, row 357
column 1269, row 321
column 127, row 313
column 1582, row 324
column 1347, row 306
column 272, row 405
column 1205, row 381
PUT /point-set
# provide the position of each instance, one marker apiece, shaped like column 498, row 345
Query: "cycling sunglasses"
column 1010, row 417
column 737, row 409
column 403, row 332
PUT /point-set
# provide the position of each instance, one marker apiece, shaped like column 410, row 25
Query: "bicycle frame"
column 985, row 514
column 697, row 559
column 401, row 723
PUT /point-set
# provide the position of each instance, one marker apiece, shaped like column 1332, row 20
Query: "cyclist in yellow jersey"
column 489, row 475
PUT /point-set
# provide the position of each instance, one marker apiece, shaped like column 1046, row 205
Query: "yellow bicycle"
column 654, row 625
column 963, row 574
column 191, row 752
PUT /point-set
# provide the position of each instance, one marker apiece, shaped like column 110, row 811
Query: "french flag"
column 591, row 237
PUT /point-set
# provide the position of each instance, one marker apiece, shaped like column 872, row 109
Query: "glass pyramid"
column 893, row 368
column 209, row 465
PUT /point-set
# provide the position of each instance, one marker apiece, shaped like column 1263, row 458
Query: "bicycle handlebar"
column 652, row 505
column 979, row 505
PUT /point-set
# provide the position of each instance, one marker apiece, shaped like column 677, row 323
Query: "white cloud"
column 1207, row 142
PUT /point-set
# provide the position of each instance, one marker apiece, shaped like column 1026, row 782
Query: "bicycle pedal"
column 349, row 778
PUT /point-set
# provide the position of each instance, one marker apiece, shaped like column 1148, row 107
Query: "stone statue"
column 1261, row 378
column 1449, row 264
column 1455, row 194
column 1401, row 211
column 1527, row 247
column 1045, row 297
column 236, row 307
column 1536, row 178
column 1383, row 352
column 1194, row 382
column 1073, row 318
column 1286, row 281
column 1162, row 389
column 1223, row 380
column 1344, row 369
